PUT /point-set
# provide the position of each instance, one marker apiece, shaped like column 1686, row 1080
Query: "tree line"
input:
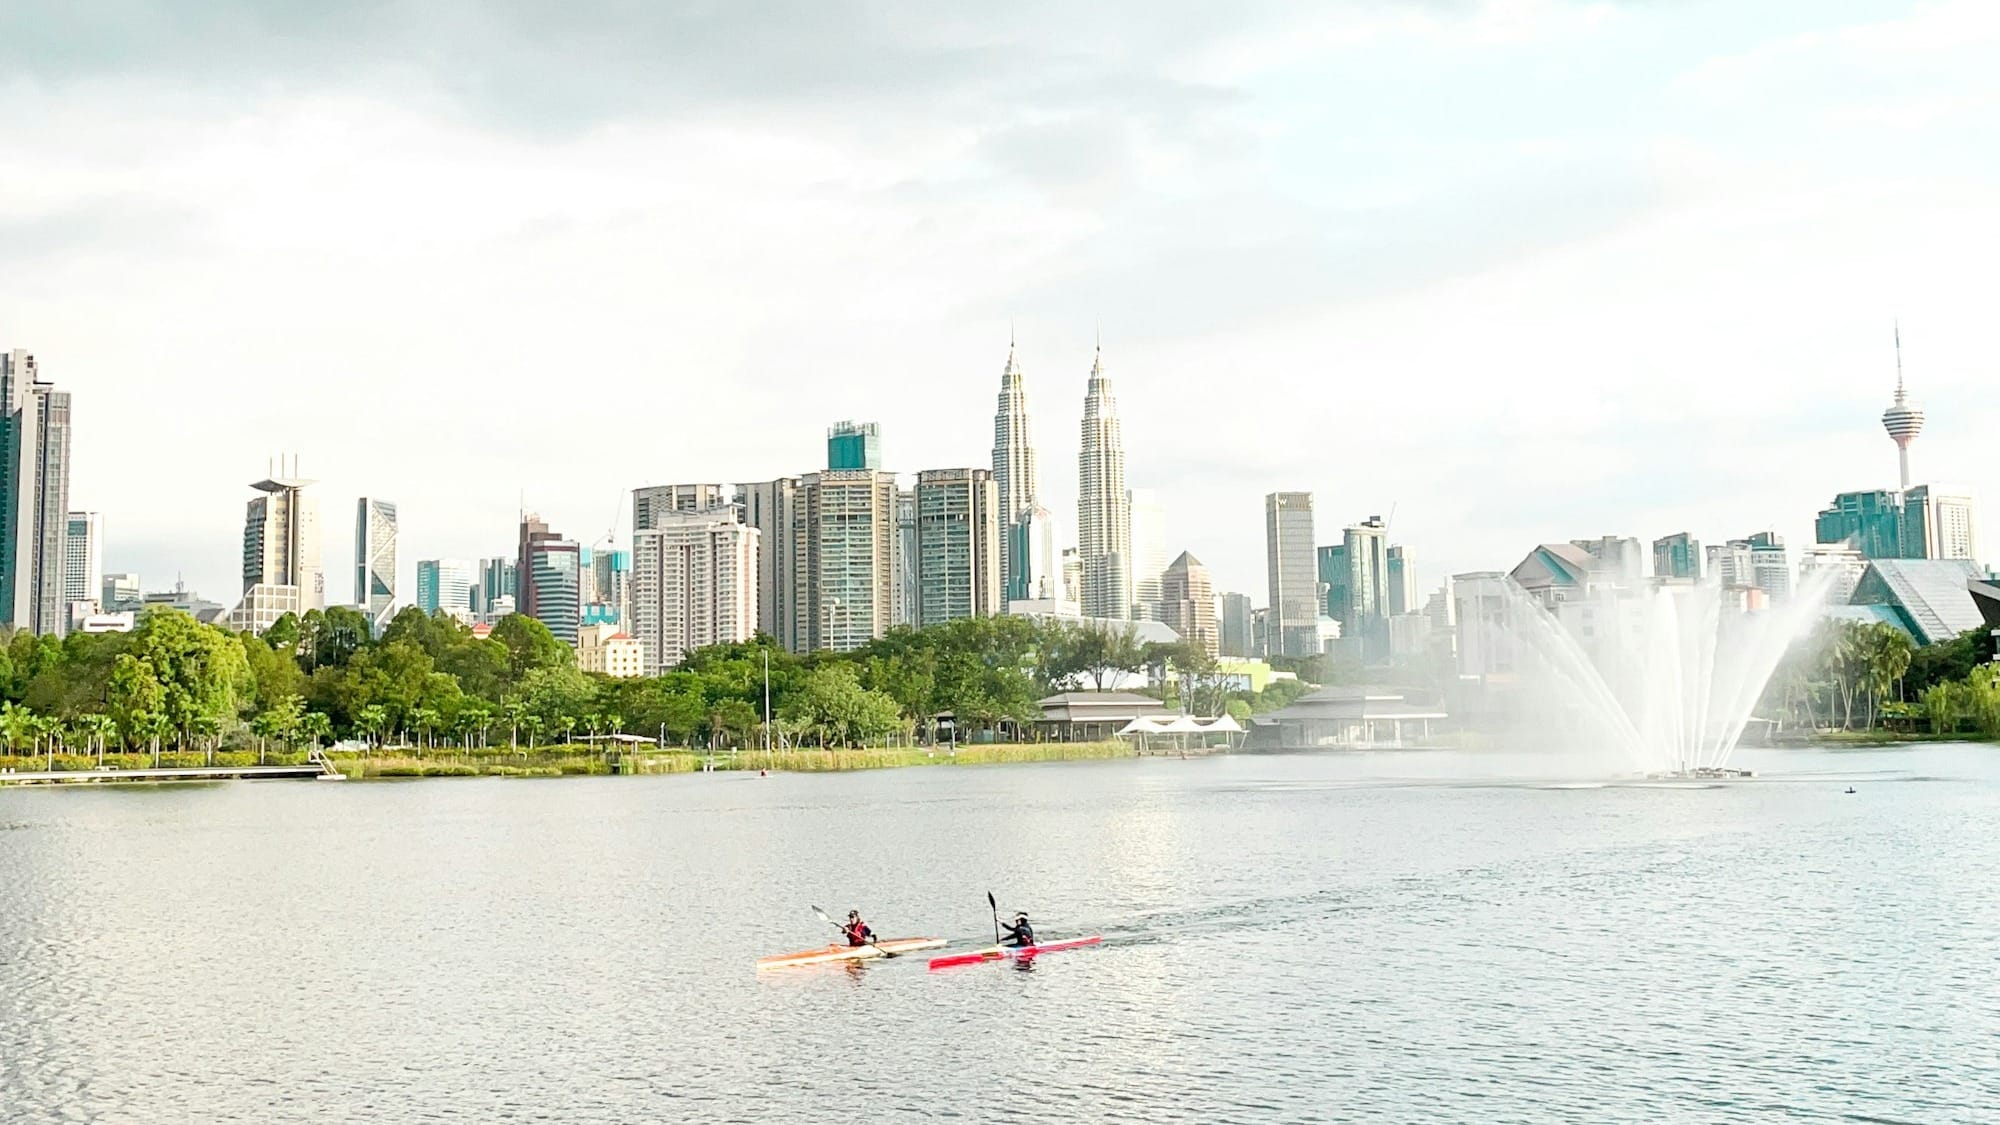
column 174, row 683
column 1850, row 675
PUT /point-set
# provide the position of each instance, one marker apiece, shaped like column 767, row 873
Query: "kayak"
column 829, row 953
column 1012, row 953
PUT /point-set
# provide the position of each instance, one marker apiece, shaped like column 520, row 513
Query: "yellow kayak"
column 829, row 953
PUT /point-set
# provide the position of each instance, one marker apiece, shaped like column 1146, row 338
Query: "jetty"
column 318, row 768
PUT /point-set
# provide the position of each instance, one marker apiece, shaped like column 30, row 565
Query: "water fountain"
column 1663, row 679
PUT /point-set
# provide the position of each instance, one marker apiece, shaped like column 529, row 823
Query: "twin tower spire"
column 1104, row 520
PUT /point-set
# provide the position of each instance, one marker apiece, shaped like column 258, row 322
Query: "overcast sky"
column 1515, row 271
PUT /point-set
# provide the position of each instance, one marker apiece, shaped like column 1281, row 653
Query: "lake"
column 1368, row 937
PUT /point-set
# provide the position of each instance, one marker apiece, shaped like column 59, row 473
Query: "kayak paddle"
column 843, row 929
column 995, row 904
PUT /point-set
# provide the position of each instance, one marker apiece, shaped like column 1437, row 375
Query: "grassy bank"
column 1876, row 737
column 554, row 761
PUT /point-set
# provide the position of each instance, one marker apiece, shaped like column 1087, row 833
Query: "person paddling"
column 1019, row 935
column 856, row 930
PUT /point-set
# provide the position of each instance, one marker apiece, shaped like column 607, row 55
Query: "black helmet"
column 854, row 914
column 1020, row 916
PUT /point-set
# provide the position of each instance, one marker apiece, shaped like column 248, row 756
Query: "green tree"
column 838, row 710
column 530, row 646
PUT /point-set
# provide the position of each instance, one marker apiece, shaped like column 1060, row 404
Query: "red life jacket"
column 857, row 933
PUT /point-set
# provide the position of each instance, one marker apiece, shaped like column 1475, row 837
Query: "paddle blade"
column 992, row 902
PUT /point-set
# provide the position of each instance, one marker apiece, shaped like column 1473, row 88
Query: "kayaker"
column 856, row 930
column 1020, row 934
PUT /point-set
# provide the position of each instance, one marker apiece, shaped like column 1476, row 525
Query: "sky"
column 1502, row 271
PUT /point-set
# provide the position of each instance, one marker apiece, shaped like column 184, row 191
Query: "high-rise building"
column 1236, row 639
column 694, row 584
column 1104, row 524
column 1333, row 577
column 1291, row 566
column 281, row 571
column 122, row 593
column 445, row 586
column 908, row 591
column 1677, row 556
column 958, row 545
column 1014, row 475
column 1870, row 521
column 550, row 579
column 1149, row 552
column 1731, row 564
column 654, row 501
column 850, row 555
column 1364, row 620
column 1619, row 559
column 610, row 584
column 1843, row 567
column 1402, row 579
column 499, row 578
column 1938, row 523
column 1034, row 572
column 83, row 565
column 609, row 651
column 1072, row 577
column 1188, row 603
column 375, row 560
column 777, row 509
column 1904, row 420
column 1770, row 563
column 854, row 446
column 34, row 497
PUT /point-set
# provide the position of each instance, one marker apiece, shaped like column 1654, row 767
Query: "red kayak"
column 1012, row 953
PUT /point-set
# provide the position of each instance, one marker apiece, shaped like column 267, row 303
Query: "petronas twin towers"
column 1104, row 514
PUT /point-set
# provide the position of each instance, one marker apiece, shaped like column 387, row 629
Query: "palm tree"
column 566, row 724
column 373, row 720
column 15, row 726
column 474, row 720
column 424, row 720
column 533, row 725
column 315, row 725
column 517, row 714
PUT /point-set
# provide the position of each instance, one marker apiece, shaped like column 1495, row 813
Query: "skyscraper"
column 1904, row 420
column 777, row 509
column 850, row 523
column 34, row 497
column 1014, row 476
column 445, row 586
column 1870, row 521
column 1149, row 552
column 653, row 501
column 83, row 563
column 498, row 579
column 1402, row 578
column 1677, row 556
column 1236, row 639
column 907, row 588
column 854, row 445
column 1292, row 567
column 375, row 560
column 1104, row 522
column 958, row 545
column 610, row 582
column 1770, row 563
column 1188, row 603
column 281, row 571
column 550, row 579
column 1035, row 571
column 694, row 584
column 1938, row 524
column 1364, row 548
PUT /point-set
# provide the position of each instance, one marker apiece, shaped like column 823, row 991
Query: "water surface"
column 1368, row 937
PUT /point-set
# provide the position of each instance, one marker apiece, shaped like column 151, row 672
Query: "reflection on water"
column 1286, row 939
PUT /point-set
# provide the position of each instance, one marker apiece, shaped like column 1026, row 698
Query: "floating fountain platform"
column 1705, row 773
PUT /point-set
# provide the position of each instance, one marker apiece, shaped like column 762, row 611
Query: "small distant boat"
column 831, row 953
column 1012, row 953
column 1850, row 789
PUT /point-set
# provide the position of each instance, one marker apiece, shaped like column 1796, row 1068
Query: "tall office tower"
column 549, row 579
column 1677, row 556
column 1904, row 420
column 958, row 545
column 854, row 446
column 1333, row 578
column 610, row 585
column 1365, row 550
column 445, row 586
column 1149, row 552
column 1402, row 583
column 1032, row 567
column 34, row 497
column 694, row 584
column 281, row 571
column 1842, row 567
column 1104, row 518
column 122, row 593
column 905, row 566
column 499, row 577
column 777, row 509
column 850, row 587
column 83, row 563
column 1014, row 476
column 1938, row 524
column 1770, row 564
column 1292, row 568
column 653, row 501
column 1870, row 521
column 1236, row 639
column 1072, row 576
column 1188, row 603
column 375, row 560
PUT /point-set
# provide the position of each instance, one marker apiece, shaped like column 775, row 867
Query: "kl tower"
column 1903, row 419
